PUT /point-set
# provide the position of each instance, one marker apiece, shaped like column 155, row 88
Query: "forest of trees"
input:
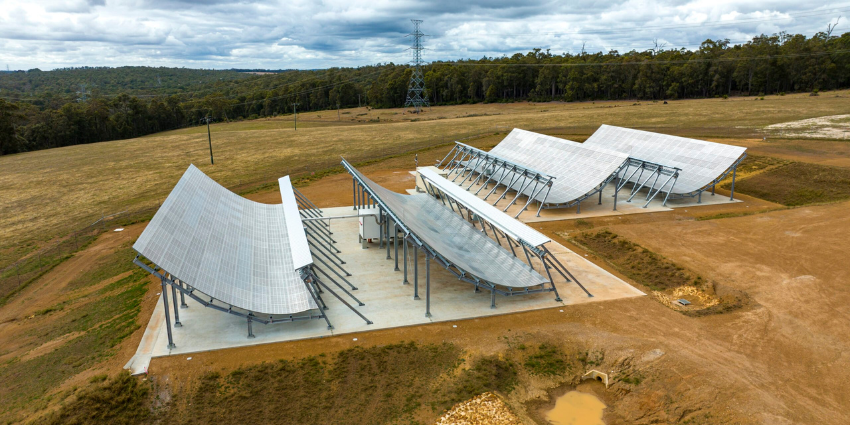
column 40, row 110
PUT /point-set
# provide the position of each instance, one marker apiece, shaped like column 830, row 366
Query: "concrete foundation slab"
column 389, row 302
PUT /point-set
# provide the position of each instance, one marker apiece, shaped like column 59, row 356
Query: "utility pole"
column 295, row 110
column 207, row 119
column 417, row 81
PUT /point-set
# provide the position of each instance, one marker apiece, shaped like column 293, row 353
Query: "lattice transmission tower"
column 416, row 87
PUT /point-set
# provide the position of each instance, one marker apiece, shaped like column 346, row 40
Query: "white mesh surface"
column 701, row 162
column 578, row 169
column 233, row 249
column 298, row 246
column 502, row 221
column 455, row 239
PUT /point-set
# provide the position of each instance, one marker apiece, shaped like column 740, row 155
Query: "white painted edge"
column 294, row 227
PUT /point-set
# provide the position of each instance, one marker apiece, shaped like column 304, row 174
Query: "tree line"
column 765, row 65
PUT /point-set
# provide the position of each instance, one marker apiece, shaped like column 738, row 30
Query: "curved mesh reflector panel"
column 228, row 247
column 456, row 240
column 701, row 162
column 515, row 228
column 578, row 169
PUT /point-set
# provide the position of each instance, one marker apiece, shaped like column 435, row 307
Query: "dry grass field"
column 46, row 194
column 778, row 358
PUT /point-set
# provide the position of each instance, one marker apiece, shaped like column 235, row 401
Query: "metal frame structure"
column 477, row 214
column 475, row 166
column 652, row 170
column 698, row 193
column 318, row 240
column 468, row 160
column 701, row 164
column 395, row 228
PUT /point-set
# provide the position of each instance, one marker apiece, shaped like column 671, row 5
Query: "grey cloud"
column 308, row 34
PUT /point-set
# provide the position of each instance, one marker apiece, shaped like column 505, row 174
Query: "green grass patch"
column 798, row 183
column 103, row 324
column 115, row 299
column 114, row 264
column 356, row 386
column 16, row 278
column 123, row 400
column 486, row 374
column 736, row 214
column 397, row 383
column 757, row 163
column 549, row 360
column 637, row 262
column 592, row 358
column 633, row 378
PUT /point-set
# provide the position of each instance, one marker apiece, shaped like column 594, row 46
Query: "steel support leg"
column 550, row 264
column 492, row 298
column 167, row 315
column 415, row 272
column 316, row 300
column 338, row 285
column 732, row 192
column 616, row 191
column 387, row 232
column 177, row 323
column 250, row 329
column 395, row 245
column 404, row 248
column 527, row 257
column 427, row 285
column 381, row 237
column 568, row 272
column 552, row 281
column 182, row 298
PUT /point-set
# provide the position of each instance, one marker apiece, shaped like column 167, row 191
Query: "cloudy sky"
column 317, row 34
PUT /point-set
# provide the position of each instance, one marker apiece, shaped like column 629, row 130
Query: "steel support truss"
column 476, row 166
column 646, row 174
column 409, row 237
column 531, row 253
column 698, row 193
column 468, row 166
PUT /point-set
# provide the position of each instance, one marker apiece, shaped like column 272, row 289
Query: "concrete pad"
column 139, row 363
column 389, row 302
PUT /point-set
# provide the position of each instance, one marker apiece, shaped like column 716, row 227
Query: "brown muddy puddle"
column 576, row 408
